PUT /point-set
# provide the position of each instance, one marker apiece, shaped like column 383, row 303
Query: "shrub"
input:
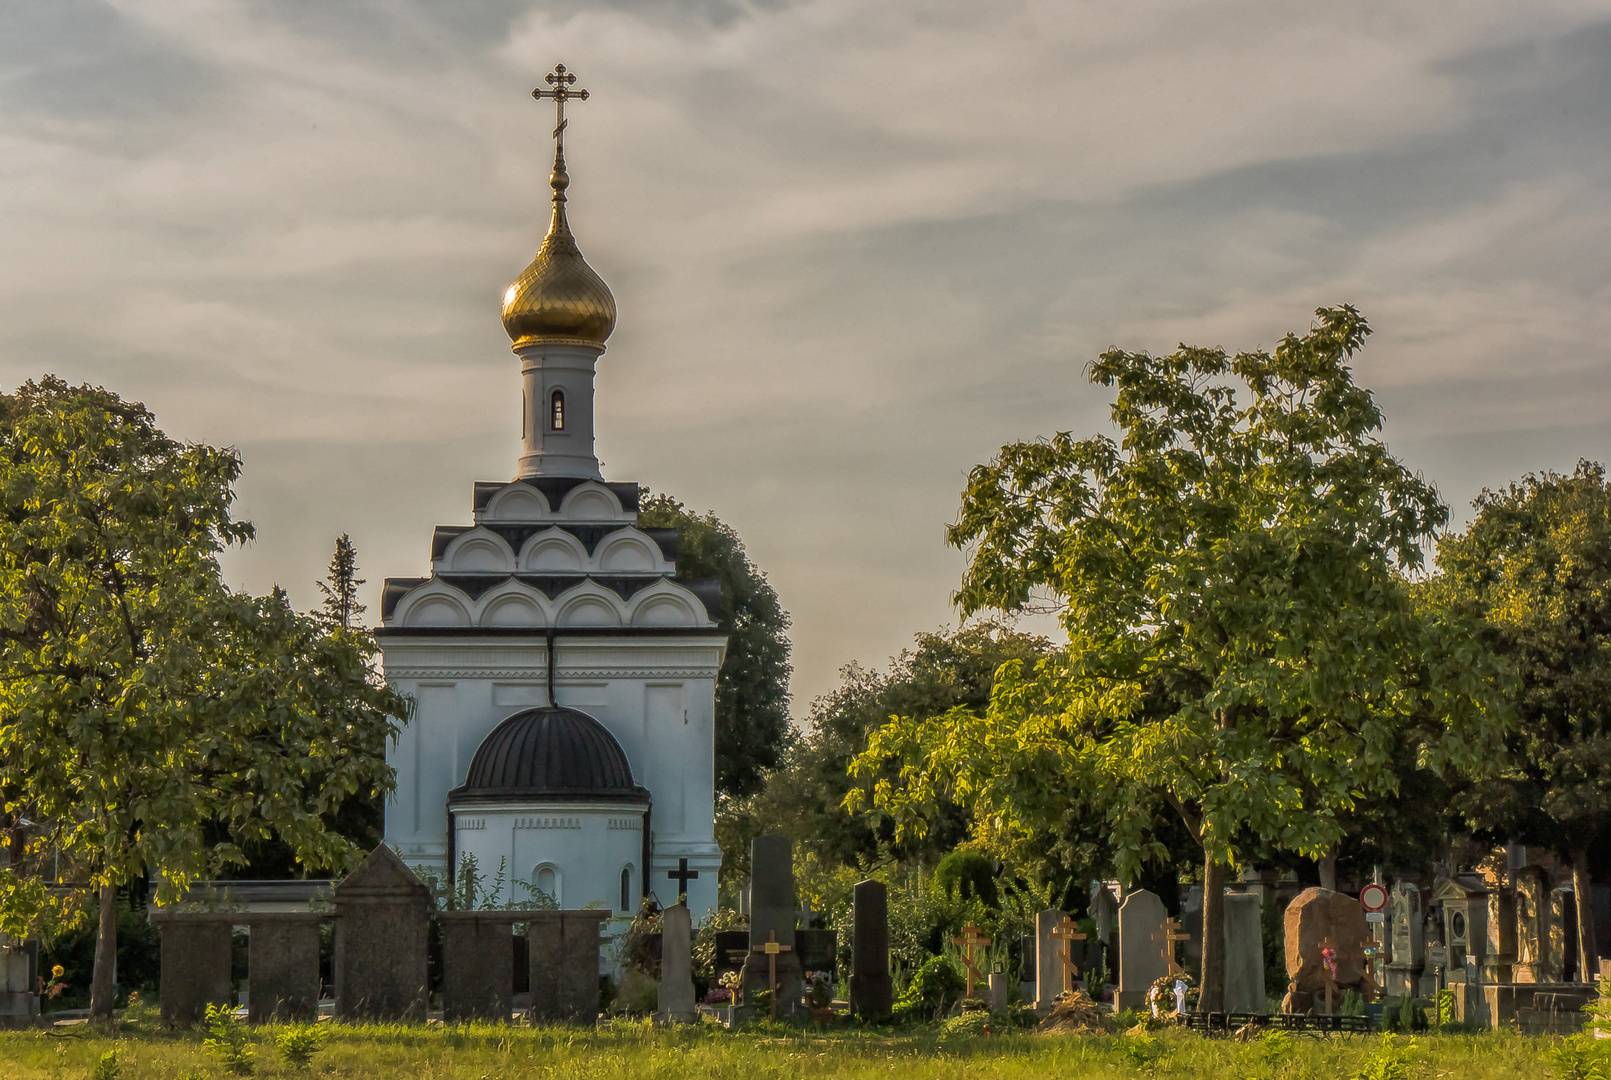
column 933, row 990
column 227, row 1040
column 298, row 1044
column 1390, row 1061
column 1576, row 1059
column 107, row 1068
column 968, row 875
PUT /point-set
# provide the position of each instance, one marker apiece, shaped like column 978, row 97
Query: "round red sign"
column 1373, row 897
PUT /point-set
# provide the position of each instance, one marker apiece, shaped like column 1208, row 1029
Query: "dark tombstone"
column 817, row 950
column 196, row 950
column 382, row 927
column 283, row 966
column 871, row 993
column 565, row 964
column 478, row 970
column 772, row 927
column 732, row 951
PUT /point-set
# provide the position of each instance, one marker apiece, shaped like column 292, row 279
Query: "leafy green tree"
column 1243, row 647
column 1535, row 564
column 143, row 705
column 804, row 796
column 752, row 688
column 340, row 606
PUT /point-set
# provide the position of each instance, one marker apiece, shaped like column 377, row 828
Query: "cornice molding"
column 537, row 671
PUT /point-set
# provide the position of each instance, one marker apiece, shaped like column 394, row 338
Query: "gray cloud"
column 856, row 246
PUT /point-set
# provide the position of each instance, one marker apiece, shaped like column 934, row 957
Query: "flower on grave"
column 1328, row 957
column 57, row 972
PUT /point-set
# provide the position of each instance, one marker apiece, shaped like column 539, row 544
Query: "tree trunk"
column 1328, row 873
column 1211, row 996
column 101, row 986
column 1587, row 958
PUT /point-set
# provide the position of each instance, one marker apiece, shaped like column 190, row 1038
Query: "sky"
column 856, row 246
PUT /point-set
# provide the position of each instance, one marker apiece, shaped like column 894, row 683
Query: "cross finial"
column 561, row 80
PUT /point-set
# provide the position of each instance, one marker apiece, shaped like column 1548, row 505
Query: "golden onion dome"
column 558, row 299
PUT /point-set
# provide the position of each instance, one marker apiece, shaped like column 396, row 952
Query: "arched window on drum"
column 556, row 411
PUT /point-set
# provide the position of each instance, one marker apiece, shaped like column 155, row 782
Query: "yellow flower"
column 57, row 972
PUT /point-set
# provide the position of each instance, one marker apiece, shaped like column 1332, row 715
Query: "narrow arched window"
column 548, row 882
column 556, row 410
column 626, row 889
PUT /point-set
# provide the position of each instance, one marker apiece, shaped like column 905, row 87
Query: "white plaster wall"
column 587, row 844
column 657, row 697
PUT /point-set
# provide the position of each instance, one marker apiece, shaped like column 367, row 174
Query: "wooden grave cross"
column 771, row 948
column 1067, row 934
column 970, row 941
column 1172, row 936
column 1331, row 982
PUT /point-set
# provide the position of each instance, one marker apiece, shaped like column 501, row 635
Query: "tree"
column 1243, row 646
column 1535, row 565
column 340, row 587
column 803, row 796
column 150, row 719
column 752, row 688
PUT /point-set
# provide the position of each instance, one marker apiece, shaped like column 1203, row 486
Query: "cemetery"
column 1285, row 799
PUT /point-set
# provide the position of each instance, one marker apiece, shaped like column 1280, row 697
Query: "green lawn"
column 630, row 1052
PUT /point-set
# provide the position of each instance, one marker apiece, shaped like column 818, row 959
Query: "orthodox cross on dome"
column 561, row 80
column 682, row 876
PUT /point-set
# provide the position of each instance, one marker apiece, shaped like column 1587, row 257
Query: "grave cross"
column 1331, row 979
column 1067, row 934
column 970, row 941
column 771, row 948
column 682, row 876
column 1172, row 935
column 805, row 914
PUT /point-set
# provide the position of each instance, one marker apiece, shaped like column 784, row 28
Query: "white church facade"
column 564, row 679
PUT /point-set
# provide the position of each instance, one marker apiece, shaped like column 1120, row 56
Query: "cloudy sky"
column 856, row 245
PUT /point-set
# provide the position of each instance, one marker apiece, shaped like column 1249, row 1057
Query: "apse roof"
column 550, row 753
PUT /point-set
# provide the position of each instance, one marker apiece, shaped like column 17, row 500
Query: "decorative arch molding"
column 630, row 551
column 518, row 502
column 512, row 608
column 553, row 550
column 666, row 604
column 433, row 605
column 593, row 501
column 479, row 550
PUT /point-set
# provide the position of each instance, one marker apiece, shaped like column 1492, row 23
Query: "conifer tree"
column 340, row 587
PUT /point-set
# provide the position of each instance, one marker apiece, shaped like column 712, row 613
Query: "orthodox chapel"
column 564, row 678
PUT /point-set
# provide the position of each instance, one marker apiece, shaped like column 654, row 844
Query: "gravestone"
column 478, row 964
column 382, row 926
column 1141, row 948
column 1532, row 925
column 772, row 926
column 19, row 964
column 676, row 967
column 564, row 949
column 1315, row 919
column 1406, row 941
column 871, row 993
column 1499, row 954
column 1048, row 963
column 282, row 957
column 195, row 953
column 1104, row 911
column 1462, row 902
column 996, row 995
column 732, row 950
column 817, row 950
column 1244, row 954
column 1561, row 956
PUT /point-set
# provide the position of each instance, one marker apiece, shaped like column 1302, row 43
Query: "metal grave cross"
column 1172, row 936
column 682, row 876
column 771, row 948
column 1067, row 933
column 561, row 81
column 970, row 941
column 805, row 914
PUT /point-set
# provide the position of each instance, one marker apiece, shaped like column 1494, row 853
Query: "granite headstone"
column 1141, row 948
column 871, row 992
column 1244, row 954
column 382, row 927
column 772, row 917
column 676, row 967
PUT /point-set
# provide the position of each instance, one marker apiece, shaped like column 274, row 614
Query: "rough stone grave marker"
column 676, row 967
column 564, row 948
column 1244, row 954
column 1141, row 937
column 772, row 922
column 1048, row 968
column 382, row 926
column 195, row 963
column 871, row 993
column 282, row 957
column 478, row 964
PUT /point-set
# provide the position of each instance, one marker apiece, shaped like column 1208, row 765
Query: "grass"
column 640, row 1052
